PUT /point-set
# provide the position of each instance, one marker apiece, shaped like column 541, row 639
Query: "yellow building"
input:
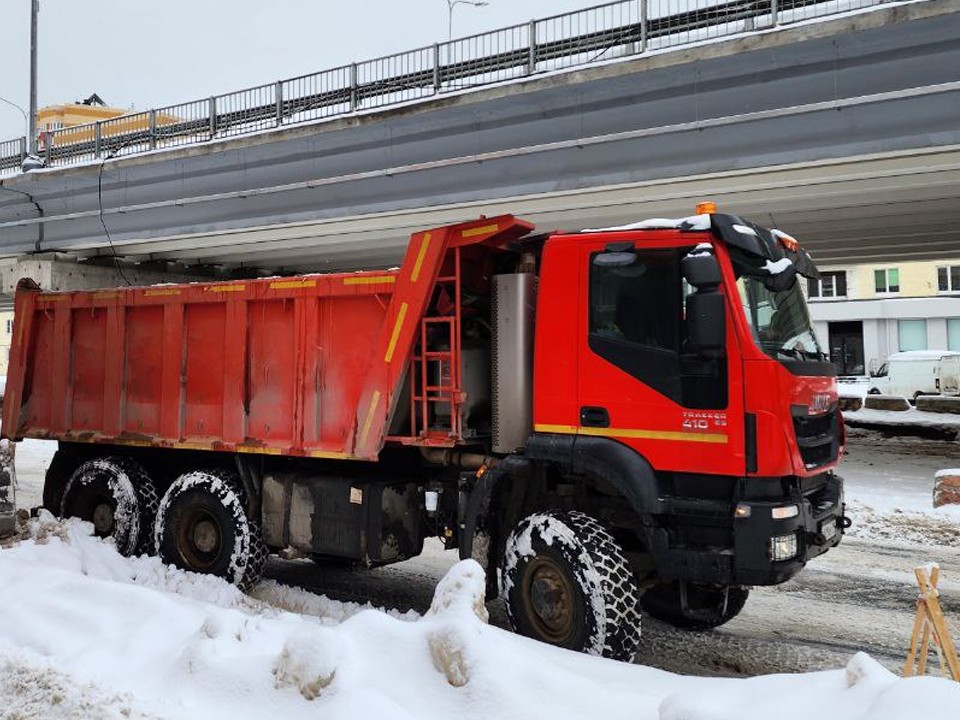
column 81, row 115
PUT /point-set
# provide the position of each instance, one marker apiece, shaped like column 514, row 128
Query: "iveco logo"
column 820, row 403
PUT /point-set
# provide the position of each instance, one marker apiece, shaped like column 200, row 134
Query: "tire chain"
column 621, row 599
column 148, row 499
column 257, row 551
column 617, row 583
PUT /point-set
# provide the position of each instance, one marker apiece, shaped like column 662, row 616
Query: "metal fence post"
column 532, row 57
column 97, row 136
column 153, row 129
column 212, row 102
column 436, row 67
column 643, row 25
column 353, row 87
column 278, row 95
column 774, row 12
column 23, row 149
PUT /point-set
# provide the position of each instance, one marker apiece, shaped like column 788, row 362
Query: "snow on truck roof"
column 694, row 222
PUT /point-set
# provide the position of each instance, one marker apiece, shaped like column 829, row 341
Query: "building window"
column 953, row 333
column 948, row 278
column 913, row 334
column 830, row 284
column 887, row 281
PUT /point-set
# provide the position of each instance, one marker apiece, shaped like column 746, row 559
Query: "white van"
column 918, row 372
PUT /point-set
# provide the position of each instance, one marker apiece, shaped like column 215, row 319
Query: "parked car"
column 918, row 372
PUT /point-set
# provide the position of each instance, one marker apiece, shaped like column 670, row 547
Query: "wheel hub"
column 205, row 536
column 198, row 539
column 103, row 519
column 551, row 599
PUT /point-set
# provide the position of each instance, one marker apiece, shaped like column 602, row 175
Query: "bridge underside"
column 844, row 133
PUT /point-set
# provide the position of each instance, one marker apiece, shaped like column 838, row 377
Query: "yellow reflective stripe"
column 374, row 401
column 396, row 333
column 330, row 455
column 473, row 232
column 225, row 288
column 420, row 256
column 164, row 291
column 292, row 284
column 634, row 433
column 368, row 280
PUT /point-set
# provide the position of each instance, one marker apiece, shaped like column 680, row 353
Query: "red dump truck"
column 606, row 420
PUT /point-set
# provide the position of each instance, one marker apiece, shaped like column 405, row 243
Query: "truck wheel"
column 566, row 582
column 202, row 526
column 707, row 606
column 118, row 497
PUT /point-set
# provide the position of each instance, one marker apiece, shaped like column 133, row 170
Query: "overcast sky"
column 143, row 54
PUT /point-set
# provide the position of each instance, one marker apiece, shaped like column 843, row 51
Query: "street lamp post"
column 451, row 4
column 32, row 123
column 26, row 122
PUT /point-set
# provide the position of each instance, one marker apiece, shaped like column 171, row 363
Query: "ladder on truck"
column 436, row 395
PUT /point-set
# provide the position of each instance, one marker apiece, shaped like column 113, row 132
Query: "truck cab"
column 676, row 366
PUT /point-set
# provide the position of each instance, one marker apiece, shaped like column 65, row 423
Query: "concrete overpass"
column 846, row 132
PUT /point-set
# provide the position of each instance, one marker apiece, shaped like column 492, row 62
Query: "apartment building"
column 863, row 313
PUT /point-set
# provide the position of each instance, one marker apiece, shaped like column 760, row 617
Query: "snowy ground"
column 174, row 645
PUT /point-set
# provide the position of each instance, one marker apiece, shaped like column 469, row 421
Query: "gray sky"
column 143, row 54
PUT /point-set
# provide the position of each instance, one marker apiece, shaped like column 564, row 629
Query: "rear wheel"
column 705, row 606
column 117, row 496
column 567, row 583
column 202, row 525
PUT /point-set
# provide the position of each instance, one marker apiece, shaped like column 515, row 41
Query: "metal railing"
column 596, row 34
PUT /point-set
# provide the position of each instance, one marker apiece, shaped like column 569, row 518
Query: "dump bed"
column 309, row 365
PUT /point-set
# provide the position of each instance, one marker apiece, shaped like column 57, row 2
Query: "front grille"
column 818, row 436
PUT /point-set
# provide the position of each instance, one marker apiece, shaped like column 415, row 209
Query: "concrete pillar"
column 55, row 272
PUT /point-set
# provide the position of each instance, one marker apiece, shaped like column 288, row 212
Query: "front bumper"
column 817, row 527
column 715, row 544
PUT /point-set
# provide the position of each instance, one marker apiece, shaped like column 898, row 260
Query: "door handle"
column 594, row 417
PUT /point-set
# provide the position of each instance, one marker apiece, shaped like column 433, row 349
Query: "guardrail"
column 596, row 34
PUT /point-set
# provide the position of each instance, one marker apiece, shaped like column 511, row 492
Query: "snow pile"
column 86, row 633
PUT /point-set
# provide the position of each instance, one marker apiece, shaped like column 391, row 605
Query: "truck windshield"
column 779, row 321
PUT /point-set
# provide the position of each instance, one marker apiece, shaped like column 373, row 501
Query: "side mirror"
column 701, row 269
column 706, row 322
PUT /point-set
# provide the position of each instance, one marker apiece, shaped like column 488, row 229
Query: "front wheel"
column 704, row 606
column 566, row 582
column 202, row 525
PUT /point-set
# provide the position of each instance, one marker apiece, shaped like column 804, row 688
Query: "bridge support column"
column 56, row 272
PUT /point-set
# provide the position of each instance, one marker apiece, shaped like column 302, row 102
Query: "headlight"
column 783, row 547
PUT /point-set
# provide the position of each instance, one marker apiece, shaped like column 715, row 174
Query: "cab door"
column 638, row 381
